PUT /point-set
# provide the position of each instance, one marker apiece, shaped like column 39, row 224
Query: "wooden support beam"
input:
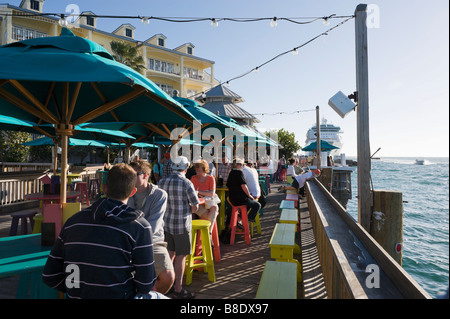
column 11, row 98
column 33, row 99
column 109, row 106
column 75, row 94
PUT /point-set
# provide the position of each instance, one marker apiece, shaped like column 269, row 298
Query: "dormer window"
column 34, row 5
column 189, row 50
column 161, row 42
column 90, row 21
column 129, row 33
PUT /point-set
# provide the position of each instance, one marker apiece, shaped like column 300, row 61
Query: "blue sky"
column 408, row 62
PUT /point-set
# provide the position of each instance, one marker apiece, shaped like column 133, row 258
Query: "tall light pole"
column 363, row 146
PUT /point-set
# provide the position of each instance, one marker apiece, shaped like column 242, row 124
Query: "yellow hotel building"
column 171, row 69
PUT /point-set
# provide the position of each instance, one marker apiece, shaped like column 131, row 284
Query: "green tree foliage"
column 287, row 141
column 11, row 148
column 127, row 54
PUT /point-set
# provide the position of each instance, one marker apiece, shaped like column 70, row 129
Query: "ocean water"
column 425, row 188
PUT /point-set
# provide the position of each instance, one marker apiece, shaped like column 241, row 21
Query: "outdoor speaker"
column 341, row 104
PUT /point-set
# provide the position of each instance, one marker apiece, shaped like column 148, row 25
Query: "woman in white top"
column 290, row 170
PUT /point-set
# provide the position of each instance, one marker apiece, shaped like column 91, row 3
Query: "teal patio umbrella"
column 71, row 142
column 69, row 80
column 324, row 146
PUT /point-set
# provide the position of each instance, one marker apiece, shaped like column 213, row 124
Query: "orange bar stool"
column 84, row 195
column 94, row 188
column 234, row 221
column 22, row 217
column 206, row 257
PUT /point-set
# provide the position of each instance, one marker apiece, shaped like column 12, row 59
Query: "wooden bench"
column 282, row 245
column 290, row 216
column 286, row 204
column 292, row 197
column 276, row 281
column 24, row 256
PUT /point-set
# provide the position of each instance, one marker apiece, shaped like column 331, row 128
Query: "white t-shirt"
column 301, row 179
column 251, row 177
column 291, row 171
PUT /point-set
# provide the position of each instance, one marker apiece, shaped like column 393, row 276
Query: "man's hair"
column 120, row 181
column 202, row 164
column 142, row 166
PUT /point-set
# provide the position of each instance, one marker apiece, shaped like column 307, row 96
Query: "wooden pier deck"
column 241, row 266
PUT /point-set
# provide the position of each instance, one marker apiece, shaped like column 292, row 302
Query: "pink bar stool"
column 84, row 195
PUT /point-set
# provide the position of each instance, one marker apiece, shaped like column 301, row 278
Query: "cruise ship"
column 328, row 132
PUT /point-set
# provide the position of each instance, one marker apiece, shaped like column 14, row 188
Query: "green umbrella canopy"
column 138, row 145
column 8, row 123
column 69, row 79
column 324, row 146
column 72, row 142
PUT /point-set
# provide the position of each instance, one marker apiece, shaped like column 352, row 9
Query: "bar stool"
column 22, row 217
column 268, row 184
column 206, row 257
column 94, row 187
column 84, row 195
column 257, row 223
column 38, row 219
column 233, row 223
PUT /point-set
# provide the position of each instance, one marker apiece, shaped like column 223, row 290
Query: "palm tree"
column 127, row 54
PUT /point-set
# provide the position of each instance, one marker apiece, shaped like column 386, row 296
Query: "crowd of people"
column 133, row 242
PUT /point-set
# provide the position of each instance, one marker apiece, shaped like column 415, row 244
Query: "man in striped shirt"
column 105, row 251
column 182, row 201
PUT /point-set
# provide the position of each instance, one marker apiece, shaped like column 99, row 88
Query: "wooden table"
column 221, row 192
column 49, row 198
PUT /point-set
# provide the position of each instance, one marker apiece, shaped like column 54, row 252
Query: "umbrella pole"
column 64, row 149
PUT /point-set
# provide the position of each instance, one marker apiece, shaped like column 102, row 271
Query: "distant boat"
column 420, row 161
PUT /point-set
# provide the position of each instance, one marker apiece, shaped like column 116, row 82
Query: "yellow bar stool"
column 205, row 259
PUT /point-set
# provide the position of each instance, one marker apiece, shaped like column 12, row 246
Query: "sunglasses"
column 140, row 173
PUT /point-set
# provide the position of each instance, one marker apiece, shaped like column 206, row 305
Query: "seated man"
column 152, row 201
column 108, row 247
column 238, row 192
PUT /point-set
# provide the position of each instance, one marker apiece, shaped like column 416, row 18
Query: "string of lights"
column 284, row 113
column 294, row 52
column 214, row 21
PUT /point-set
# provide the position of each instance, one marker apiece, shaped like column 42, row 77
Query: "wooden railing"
column 8, row 167
column 14, row 188
column 354, row 265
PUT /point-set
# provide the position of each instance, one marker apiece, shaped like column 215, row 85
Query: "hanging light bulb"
column 145, row 20
column 63, row 22
column 295, row 51
column 214, row 23
column 256, row 70
column 326, row 21
column 273, row 22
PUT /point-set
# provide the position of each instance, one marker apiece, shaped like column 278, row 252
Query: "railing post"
column 387, row 222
